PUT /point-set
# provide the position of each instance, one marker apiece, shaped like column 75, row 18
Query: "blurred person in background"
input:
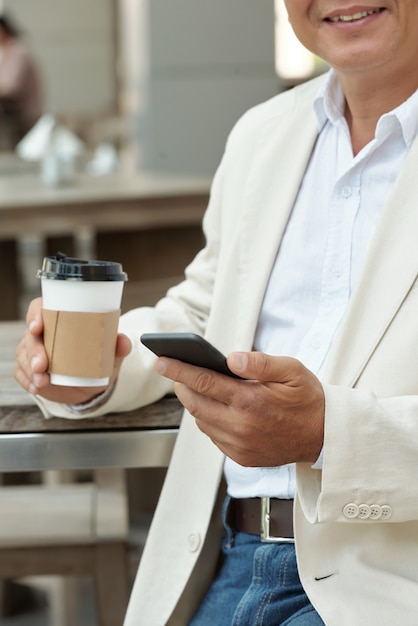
column 21, row 100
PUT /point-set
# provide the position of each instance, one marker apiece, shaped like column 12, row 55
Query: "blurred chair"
column 70, row 529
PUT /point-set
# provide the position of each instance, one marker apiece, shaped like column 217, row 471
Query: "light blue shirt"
column 322, row 251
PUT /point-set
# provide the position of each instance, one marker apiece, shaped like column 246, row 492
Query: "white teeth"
column 351, row 18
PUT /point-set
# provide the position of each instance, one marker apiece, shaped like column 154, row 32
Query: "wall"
column 206, row 62
column 187, row 68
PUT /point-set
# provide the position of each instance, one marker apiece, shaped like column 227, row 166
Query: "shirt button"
column 363, row 511
column 386, row 511
column 193, row 542
column 316, row 343
column 346, row 191
column 351, row 510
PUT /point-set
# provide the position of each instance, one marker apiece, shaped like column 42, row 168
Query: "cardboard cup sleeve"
column 79, row 343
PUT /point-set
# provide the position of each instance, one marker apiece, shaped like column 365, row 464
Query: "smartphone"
column 189, row 348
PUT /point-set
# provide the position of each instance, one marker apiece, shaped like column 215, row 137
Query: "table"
column 28, row 442
column 103, row 207
column 104, row 203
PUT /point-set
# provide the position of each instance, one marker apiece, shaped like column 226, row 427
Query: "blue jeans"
column 258, row 585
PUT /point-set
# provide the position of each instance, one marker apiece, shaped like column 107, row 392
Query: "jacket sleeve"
column 185, row 307
column 370, row 458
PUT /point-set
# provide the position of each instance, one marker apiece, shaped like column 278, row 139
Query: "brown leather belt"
column 271, row 518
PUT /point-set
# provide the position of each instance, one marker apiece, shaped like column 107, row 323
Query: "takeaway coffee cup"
column 81, row 308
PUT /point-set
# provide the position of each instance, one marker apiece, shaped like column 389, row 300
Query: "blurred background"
column 168, row 78
column 147, row 89
column 137, row 98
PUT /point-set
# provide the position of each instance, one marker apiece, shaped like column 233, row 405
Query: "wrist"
column 93, row 403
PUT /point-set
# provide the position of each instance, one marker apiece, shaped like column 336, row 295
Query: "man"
column 311, row 255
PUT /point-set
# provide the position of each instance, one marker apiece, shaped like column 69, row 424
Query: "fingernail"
column 239, row 360
column 37, row 379
column 33, row 325
column 35, row 362
column 160, row 366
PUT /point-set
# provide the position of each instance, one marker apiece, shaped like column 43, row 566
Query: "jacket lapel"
column 391, row 267
column 271, row 189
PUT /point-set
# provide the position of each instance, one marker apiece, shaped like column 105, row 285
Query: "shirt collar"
column 329, row 101
column 329, row 107
column 407, row 116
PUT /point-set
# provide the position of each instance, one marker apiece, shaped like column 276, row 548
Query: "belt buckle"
column 265, row 535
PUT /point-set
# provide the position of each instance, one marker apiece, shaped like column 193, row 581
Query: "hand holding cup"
column 80, row 353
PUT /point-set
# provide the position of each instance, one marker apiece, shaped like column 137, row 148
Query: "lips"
column 354, row 17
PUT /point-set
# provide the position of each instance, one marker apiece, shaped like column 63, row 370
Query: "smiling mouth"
column 353, row 18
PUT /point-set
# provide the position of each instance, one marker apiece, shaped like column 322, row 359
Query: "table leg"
column 64, row 244
column 10, row 281
column 154, row 259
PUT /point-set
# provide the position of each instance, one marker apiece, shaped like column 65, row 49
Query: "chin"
column 360, row 61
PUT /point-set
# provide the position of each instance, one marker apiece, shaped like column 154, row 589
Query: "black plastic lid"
column 61, row 267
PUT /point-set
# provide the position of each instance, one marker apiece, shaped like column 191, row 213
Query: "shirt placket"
column 335, row 283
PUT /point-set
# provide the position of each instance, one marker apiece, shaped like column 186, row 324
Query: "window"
column 294, row 63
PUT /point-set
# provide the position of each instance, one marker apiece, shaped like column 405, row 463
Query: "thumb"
column 262, row 367
column 123, row 346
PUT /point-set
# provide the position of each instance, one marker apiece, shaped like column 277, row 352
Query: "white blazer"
column 356, row 522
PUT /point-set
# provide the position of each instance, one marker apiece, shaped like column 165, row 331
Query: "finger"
column 31, row 354
column 200, row 406
column 34, row 318
column 203, row 381
column 31, row 363
column 263, row 367
column 30, row 371
column 223, row 424
column 30, row 379
column 24, row 379
column 123, row 346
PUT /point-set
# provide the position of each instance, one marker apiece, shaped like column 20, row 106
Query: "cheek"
column 301, row 21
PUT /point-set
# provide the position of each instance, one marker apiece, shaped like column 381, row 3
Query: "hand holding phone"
column 189, row 348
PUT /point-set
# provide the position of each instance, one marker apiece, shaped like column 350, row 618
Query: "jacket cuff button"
column 193, row 542
column 351, row 510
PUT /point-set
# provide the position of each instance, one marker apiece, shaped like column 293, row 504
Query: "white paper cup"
column 81, row 302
